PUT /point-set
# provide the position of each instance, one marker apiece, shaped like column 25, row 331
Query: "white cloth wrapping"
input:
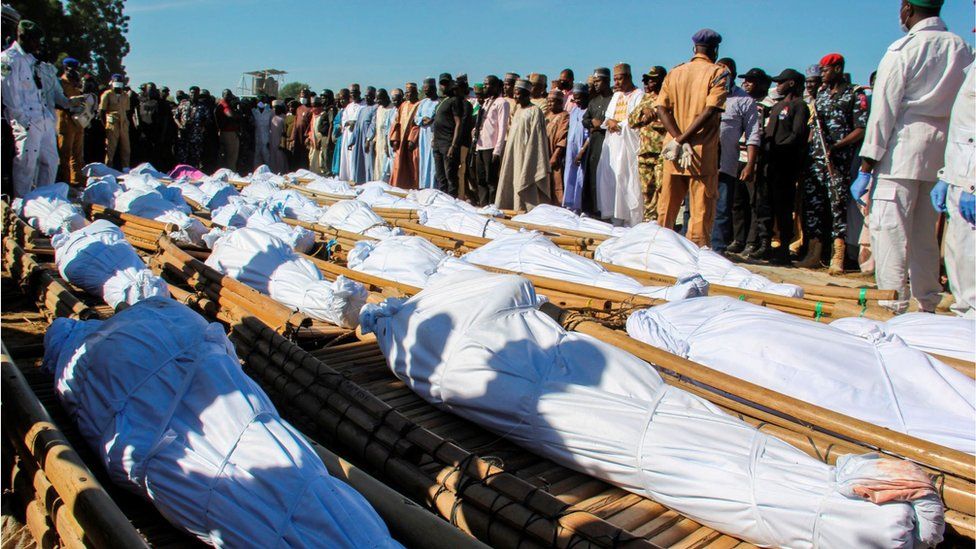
column 99, row 260
column 944, row 335
column 458, row 220
column 476, row 345
column 149, row 203
column 293, row 204
column 144, row 182
column 101, row 190
column 97, row 169
column 357, row 217
column 330, row 185
column 260, row 189
column 148, row 169
column 650, row 247
column 48, row 210
column 554, row 216
column 405, row 259
column 269, row 265
column 434, row 197
column 530, row 252
column 210, row 192
column 160, row 397
column 378, row 198
column 876, row 378
column 239, row 214
column 382, row 186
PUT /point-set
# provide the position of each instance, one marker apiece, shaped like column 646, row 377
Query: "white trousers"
column 960, row 256
column 904, row 243
column 36, row 160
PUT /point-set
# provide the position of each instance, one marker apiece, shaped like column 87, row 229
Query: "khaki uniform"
column 649, row 164
column 71, row 140
column 115, row 106
column 687, row 91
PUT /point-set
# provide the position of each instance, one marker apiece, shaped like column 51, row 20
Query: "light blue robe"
column 573, row 172
column 337, row 132
column 365, row 132
column 425, row 145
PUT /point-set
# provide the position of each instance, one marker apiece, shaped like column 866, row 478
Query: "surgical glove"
column 860, row 186
column 686, row 154
column 967, row 207
column 671, row 150
column 938, row 196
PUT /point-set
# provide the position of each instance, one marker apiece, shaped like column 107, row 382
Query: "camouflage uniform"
column 839, row 115
column 649, row 164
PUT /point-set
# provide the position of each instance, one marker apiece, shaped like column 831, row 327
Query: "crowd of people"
column 773, row 168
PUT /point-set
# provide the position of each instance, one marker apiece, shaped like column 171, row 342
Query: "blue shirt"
column 740, row 117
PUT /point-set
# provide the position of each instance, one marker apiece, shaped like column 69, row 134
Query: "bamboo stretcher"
column 822, row 433
column 409, row 523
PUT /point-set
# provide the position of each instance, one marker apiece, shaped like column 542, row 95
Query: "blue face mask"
column 261, row 105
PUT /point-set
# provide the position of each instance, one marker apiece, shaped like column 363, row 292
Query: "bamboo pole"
column 83, row 496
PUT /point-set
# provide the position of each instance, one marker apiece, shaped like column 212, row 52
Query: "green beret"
column 28, row 27
column 926, row 3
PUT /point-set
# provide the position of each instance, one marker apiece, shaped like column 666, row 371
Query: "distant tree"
column 91, row 31
column 291, row 89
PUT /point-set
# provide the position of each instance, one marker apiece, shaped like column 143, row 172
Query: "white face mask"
column 304, row 101
column 902, row 25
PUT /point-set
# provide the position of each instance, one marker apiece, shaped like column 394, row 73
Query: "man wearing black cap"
column 644, row 118
column 24, row 109
column 448, row 121
column 786, row 138
column 593, row 118
column 689, row 104
column 752, row 196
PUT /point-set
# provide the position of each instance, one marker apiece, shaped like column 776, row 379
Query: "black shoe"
column 762, row 252
column 735, row 247
column 780, row 256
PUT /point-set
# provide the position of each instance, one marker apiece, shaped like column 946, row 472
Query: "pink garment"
column 182, row 170
column 494, row 126
column 893, row 480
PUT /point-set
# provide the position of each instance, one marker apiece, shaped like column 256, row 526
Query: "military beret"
column 656, row 72
column 601, row 72
column 831, row 59
column 706, row 37
column 580, row 87
column 523, row 84
column 445, row 77
column 926, row 3
column 479, row 87
column 70, row 62
column 813, row 71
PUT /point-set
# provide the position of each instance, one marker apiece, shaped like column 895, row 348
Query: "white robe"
column 617, row 181
column 349, row 114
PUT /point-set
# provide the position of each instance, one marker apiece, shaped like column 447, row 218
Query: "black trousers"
column 446, row 168
column 486, row 168
column 743, row 201
column 779, row 196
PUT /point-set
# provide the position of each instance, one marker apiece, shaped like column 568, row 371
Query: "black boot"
column 780, row 256
column 762, row 252
column 735, row 247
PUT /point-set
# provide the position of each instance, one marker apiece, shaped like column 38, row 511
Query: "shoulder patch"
column 5, row 69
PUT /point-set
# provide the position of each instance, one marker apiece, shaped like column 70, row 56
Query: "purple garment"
column 740, row 117
column 573, row 172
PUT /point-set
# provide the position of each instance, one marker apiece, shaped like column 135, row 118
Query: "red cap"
column 831, row 59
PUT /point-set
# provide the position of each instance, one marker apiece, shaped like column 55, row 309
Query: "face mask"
column 903, row 26
column 304, row 101
column 261, row 105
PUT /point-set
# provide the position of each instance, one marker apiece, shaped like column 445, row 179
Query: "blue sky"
column 330, row 44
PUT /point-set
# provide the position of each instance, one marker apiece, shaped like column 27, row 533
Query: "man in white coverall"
column 953, row 194
column 904, row 147
column 23, row 106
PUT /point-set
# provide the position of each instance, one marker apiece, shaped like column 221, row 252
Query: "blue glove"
column 938, row 196
column 967, row 207
column 860, row 186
